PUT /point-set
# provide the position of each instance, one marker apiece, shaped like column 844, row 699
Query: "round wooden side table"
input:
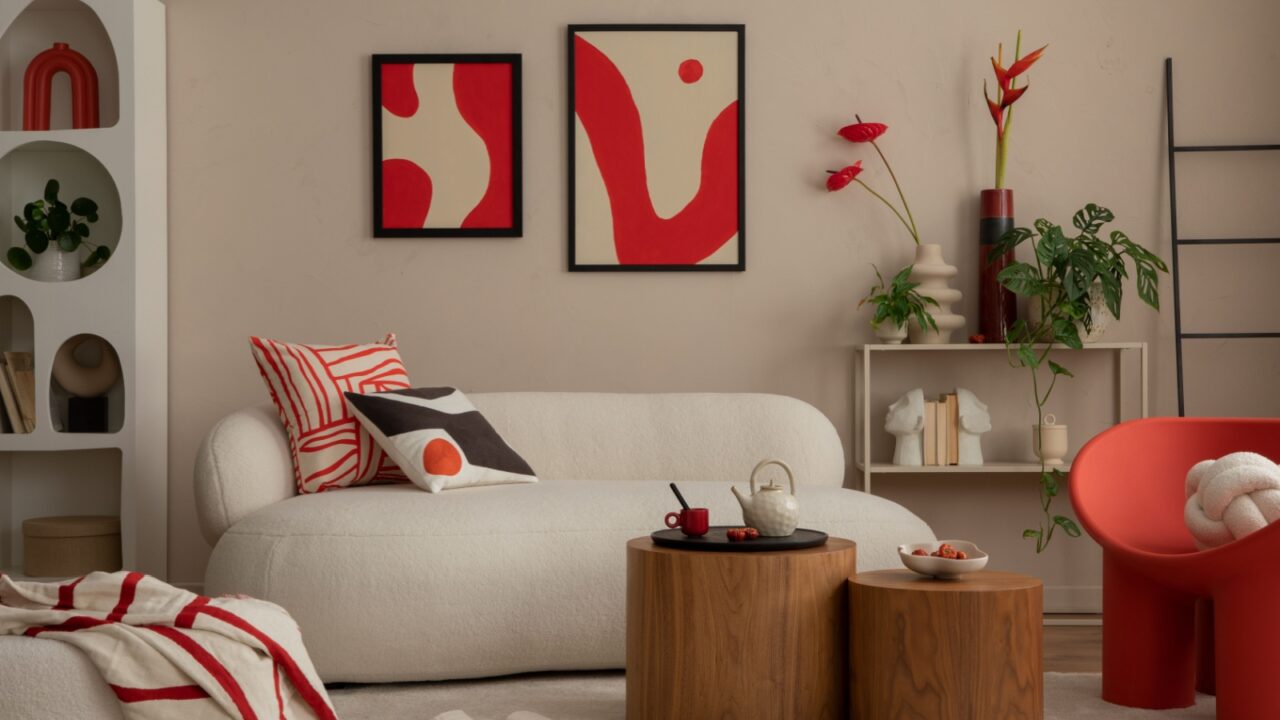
column 749, row 635
column 965, row 649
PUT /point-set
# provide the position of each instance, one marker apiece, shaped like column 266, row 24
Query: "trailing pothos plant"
column 1062, row 272
column 899, row 301
column 50, row 222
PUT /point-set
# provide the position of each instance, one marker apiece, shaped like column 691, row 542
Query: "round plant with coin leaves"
column 50, row 223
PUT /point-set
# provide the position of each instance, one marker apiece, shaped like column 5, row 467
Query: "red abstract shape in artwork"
column 440, row 457
column 690, row 71
column 399, row 96
column 37, row 88
column 604, row 104
column 406, row 194
column 483, row 94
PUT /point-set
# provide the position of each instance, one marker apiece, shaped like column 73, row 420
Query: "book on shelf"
column 952, row 402
column 930, row 439
column 941, row 437
column 12, row 416
column 20, row 372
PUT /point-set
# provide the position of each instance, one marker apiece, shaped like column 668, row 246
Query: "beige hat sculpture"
column 83, row 380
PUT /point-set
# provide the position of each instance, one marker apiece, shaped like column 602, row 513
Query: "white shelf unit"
column 863, row 426
column 125, row 301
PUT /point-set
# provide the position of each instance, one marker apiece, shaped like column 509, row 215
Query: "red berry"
column 920, row 552
column 752, row 533
column 962, row 555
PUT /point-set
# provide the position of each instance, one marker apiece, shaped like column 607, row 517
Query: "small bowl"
column 943, row 568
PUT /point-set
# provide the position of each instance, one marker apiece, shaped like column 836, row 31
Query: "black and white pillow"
column 439, row 439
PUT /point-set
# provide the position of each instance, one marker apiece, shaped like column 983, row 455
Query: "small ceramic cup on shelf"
column 1049, row 441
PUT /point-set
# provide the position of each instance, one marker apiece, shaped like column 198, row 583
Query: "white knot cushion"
column 1231, row 497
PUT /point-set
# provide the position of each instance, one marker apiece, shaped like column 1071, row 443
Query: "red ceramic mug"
column 692, row 522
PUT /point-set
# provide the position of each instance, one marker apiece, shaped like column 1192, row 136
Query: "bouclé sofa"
column 391, row 583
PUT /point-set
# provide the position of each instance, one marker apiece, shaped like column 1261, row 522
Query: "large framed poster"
column 446, row 146
column 656, row 173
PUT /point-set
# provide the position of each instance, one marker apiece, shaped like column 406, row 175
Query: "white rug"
column 601, row 696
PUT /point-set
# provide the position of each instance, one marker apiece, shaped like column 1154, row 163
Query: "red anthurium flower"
column 843, row 177
column 863, row 132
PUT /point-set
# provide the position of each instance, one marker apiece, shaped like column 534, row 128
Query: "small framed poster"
column 656, row 171
column 446, row 146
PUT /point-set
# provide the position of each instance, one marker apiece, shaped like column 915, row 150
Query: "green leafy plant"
column 899, row 301
column 50, row 222
column 1063, row 271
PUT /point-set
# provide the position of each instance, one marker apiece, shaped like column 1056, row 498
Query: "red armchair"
column 1127, row 489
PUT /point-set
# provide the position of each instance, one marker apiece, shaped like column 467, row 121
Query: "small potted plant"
column 896, row 304
column 55, row 233
column 1061, row 280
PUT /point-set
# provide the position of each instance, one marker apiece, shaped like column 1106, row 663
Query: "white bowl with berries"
column 945, row 559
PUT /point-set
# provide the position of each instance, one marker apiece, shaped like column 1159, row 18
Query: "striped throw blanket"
column 169, row 653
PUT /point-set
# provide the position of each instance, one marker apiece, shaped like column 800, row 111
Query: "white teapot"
column 770, row 509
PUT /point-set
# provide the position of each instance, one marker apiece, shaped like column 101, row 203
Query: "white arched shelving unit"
column 125, row 301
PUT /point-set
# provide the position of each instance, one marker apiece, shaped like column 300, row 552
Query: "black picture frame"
column 740, row 30
column 517, row 150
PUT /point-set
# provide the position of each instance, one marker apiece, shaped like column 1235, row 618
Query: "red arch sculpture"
column 38, row 81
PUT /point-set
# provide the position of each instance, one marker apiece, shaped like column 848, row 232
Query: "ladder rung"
column 1223, row 148
column 1229, row 336
column 1229, row 241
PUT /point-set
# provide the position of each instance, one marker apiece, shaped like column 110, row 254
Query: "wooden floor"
column 1073, row 648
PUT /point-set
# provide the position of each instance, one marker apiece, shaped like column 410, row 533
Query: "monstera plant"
column 1061, row 275
column 50, row 223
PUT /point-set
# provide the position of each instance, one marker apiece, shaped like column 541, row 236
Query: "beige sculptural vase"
column 933, row 274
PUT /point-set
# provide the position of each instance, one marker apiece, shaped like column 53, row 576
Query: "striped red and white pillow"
column 330, row 449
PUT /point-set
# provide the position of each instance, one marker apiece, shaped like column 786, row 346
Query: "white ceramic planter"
column 55, row 266
column 933, row 274
column 891, row 334
column 1049, row 441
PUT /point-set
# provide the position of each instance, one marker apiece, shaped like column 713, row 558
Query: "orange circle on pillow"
column 440, row 457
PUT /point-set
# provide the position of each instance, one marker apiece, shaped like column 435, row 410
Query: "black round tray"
column 716, row 541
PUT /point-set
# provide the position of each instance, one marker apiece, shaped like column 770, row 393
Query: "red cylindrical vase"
column 997, row 306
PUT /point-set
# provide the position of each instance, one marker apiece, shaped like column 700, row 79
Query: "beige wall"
column 269, row 162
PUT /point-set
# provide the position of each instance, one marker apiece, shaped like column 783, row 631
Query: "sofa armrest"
column 242, row 465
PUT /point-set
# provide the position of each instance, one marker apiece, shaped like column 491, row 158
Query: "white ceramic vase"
column 55, row 266
column 891, row 334
column 1049, row 441
column 933, row 274
column 1099, row 315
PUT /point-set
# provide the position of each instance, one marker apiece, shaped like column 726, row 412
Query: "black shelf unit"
column 1178, row 242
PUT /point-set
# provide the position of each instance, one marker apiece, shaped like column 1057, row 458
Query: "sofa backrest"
column 244, row 464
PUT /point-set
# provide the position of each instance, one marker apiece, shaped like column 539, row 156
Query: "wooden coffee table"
column 738, row 635
column 946, row 649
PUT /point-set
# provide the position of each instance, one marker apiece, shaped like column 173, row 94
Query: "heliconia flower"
column 1005, row 77
column 1011, row 95
column 861, row 132
column 843, row 177
column 997, row 112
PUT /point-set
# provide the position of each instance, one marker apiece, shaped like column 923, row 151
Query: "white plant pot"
column 891, row 334
column 933, row 274
column 55, row 266
column 1100, row 317
column 1049, row 441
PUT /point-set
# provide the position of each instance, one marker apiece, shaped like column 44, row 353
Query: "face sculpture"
column 975, row 420
column 906, row 415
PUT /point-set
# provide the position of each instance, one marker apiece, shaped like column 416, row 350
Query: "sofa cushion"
column 390, row 583
column 329, row 448
column 439, row 439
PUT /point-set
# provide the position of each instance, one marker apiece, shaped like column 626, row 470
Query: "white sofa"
column 391, row 583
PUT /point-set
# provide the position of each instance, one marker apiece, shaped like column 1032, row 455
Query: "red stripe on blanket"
column 211, row 665
column 67, row 595
column 187, row 616
column 128, row 589
column 281, row 656
column 275, row 677
column 71, row 624
column 177, row 692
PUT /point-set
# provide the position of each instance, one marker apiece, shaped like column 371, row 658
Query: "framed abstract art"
column 446, row 146
column 656, row 173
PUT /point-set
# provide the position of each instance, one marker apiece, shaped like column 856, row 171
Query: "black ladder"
column 1178, row 242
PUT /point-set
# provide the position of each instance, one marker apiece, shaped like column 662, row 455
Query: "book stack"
column 18, row 392
column 942, row 431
